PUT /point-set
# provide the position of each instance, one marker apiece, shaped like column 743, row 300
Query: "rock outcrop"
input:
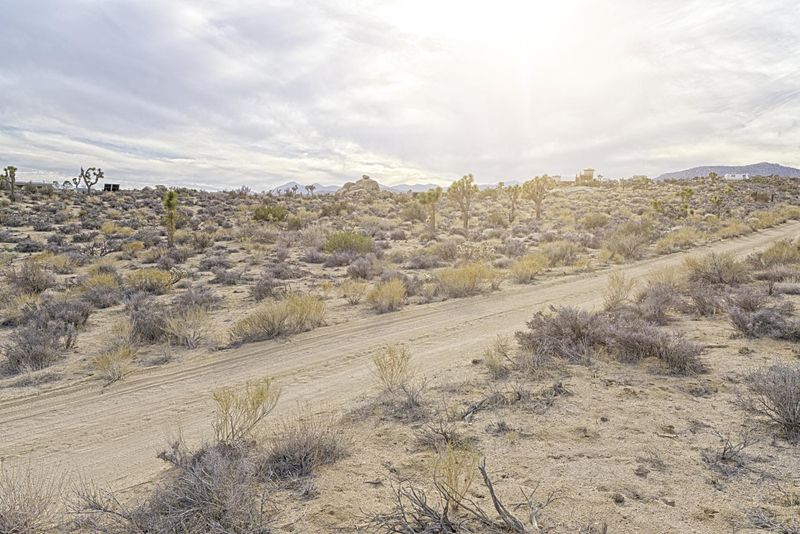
column 364, row 187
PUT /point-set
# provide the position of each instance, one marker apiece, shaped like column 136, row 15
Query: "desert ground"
column 600, row 358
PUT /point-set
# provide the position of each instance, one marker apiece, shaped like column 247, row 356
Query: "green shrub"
column 296, row 313
column 270, row 213
column 348, row 242
column 525, row 269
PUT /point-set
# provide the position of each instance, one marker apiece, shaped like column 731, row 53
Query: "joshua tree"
column 513, row 193
column 10, row 177
column 462, row 192
column 431, row 199
column 90, row 177
column 536, row 190
column 310, row 189
column 170, row 204
column 685, row 195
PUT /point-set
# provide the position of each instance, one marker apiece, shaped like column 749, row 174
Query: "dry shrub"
column 296, row 313
column 102, row 289
column 465, row 280
column 28, row 501
column 150, row 280
column 525, row 269
column 576, row 335
column 58, row 263
column 387, row 296
column 455, row 470
column 303, row 445
column 628, row 242
column 239, row 411
column 30, row 277
column 617, row 291
column 393, row 367
column 775, row 322
column 561, row 253
column 353, row 291
column 722, row 269
column 147, row 317
column 655, row 300
column 568, row 333
column 213, row 490
column 188, row 327
column 774, row 393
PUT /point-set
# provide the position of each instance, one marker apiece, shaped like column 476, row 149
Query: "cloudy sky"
column 256, row 93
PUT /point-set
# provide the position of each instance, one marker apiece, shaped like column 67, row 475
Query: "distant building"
column 586, row 176
column 37, row 186
column 734, row 176
column 110, row 187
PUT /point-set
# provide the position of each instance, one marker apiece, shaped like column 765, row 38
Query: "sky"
column 257, row 93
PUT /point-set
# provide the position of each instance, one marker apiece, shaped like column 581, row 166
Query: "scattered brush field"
column 667, row 400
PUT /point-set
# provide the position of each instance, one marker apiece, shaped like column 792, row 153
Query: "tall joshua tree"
column 10, row 176
column 536, row 190
column 513, row 193
column 431, row 198
column 462, row 192
column 170, row 203
column 89, row 177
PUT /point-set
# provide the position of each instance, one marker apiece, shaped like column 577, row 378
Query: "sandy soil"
column 111, row 435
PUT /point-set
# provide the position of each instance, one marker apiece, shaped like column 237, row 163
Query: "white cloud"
column 254, row 93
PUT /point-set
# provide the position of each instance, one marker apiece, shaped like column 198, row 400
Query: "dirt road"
column 111, row 436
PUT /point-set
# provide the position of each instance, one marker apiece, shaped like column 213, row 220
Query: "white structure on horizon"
column 734, row 176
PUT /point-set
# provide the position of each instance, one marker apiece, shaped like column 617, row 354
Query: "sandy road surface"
column 111, row 436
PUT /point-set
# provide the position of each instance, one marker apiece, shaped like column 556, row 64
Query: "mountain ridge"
column 754, row 169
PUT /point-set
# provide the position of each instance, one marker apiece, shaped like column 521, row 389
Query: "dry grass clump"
column 679, row 239
column 466, row 280
column 734, row 229
column 189, row 327
column 617, row 291
column 783, row 252
column 497, row 356
column 456, row 470
column 353, row 291
column 296, row 313
column 393, row 367
column 28, row 502
column 387, row 296
column 302, row 446
column 113, row 364
column 528, row 267
column 724, row 269
column 774, row 393
column 150, row 280
column 239, row 411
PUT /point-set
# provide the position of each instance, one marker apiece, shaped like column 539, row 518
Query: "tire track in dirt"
column 111, row 435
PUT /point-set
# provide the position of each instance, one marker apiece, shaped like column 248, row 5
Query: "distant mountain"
column 756, row 169
column 405, row 188
column 319, row 189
